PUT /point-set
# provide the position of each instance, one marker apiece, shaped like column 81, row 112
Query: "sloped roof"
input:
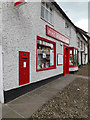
column 79, row 30
column 62, row 12
column 83, row 32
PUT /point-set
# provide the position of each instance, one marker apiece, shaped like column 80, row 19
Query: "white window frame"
column 67, row 29
column 78, row 42
column 50, row 12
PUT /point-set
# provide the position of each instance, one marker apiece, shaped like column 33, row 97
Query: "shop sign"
column 54, row 34
column 19, row 2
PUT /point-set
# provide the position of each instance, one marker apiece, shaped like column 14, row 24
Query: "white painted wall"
column 19, row 34
column 1, row 71
column 79, row 58
column 1, row 77
column 73, row 69
column 20, row 28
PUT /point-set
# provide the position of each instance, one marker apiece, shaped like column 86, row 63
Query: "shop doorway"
column 66, row 60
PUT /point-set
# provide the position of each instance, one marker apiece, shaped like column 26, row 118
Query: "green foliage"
column 88, row 63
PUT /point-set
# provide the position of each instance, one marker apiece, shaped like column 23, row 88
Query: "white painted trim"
column 73, row 69
column 1, row 76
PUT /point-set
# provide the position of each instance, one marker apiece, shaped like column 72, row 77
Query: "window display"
column 46, row 51
column 76, row 57
column 73, row 57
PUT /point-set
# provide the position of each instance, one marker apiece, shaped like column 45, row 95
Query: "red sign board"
column 19, row 2
column 54, row 34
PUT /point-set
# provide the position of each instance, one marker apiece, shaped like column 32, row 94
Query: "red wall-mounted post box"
column 24, row 67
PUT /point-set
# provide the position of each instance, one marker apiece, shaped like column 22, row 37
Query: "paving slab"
column 26, row 110
column 27, row 104
column 12, row 114
column 5, row 110
column 0, row 111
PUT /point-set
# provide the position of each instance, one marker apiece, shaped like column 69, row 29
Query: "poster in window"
column 51, row 57
column 60, row 59
column 70, row 52
column 44, row 55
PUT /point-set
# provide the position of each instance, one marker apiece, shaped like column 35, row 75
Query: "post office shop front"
column 47, row 56
column 38, row 47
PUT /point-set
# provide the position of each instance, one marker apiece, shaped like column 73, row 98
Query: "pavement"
column 24, row 106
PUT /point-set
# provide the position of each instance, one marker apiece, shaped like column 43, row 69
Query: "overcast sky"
column 77, row 12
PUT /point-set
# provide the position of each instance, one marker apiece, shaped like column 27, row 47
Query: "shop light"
column 61, row 43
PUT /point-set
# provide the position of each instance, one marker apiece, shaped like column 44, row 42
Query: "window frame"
column 57, row 59
column 50, row 12
column 49, row 41
column 78, row 42
column 76, row 55
column 72, row 57
column 67, row 29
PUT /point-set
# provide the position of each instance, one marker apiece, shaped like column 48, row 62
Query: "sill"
column 73, row 66
column 47, row 21
column 59, row 64
column 45, row 69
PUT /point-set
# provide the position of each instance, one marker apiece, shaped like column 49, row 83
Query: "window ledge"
column 47, row 21
column 43, row 69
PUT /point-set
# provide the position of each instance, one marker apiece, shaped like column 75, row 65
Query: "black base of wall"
column 73, row 72
column 79, row 66
column 14, row 93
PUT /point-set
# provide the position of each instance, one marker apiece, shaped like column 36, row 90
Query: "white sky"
column 72, row 0
column 77, row 11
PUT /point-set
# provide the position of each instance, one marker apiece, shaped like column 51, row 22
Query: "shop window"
column 73, row 57
column 76, row 57
column 46, row 54
column 46, row 12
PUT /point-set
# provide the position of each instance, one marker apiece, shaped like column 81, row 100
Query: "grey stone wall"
column 1, row 62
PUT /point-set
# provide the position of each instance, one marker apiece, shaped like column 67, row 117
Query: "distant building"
column 86, row 36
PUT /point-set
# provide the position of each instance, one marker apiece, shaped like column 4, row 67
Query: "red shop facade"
column 47, row 57
column 46, row 48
